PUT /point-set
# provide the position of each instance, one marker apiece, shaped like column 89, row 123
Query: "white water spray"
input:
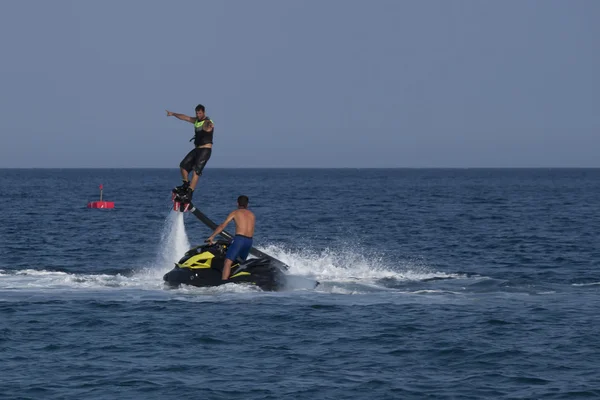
column 173, row 241
column 341, row 270
column 346, row 270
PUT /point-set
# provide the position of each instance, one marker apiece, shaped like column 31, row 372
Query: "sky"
column 303, row 83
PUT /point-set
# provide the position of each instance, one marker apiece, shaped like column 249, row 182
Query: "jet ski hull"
column 202, row 266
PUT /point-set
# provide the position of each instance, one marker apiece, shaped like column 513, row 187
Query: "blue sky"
column 313, row 83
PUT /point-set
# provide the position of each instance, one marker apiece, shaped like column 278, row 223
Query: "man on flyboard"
column 196, row 159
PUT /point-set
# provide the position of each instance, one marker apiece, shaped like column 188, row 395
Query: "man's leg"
column 245, row 252
column 185, row 166
column 184, row 174
column 182, row 190
column 194, row 181
column 232, row 253
column 226, row 269
column 202, row 157
column 241, row 249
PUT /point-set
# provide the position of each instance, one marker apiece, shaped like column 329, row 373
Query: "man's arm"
column 182, row 117
column 208, row 126
column 221, row 227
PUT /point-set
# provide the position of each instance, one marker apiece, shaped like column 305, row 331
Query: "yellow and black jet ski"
column 202, row 266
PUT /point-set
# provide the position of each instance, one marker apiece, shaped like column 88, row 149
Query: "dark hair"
column 243, row 201
column 199, row 107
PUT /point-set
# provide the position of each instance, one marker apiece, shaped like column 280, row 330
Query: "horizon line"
column 307, row 168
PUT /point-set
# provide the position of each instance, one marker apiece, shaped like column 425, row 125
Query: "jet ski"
column 202, row 266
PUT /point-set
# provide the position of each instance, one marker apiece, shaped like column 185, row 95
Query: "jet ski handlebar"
column 218, row 241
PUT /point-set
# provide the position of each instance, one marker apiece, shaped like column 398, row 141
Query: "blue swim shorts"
column 239, row 248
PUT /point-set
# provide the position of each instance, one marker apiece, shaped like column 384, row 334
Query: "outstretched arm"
column 221, row 227
column 182, row 117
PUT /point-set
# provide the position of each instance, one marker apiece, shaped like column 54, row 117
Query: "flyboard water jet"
column 202, row 265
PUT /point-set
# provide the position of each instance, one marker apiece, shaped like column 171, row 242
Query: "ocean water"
column 437, row 284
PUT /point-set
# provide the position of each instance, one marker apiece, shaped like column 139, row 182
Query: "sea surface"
column 434, row 284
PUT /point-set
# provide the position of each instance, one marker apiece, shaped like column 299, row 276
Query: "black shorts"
column 196, row 160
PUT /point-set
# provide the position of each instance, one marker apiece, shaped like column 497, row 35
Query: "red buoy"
column 101, row 204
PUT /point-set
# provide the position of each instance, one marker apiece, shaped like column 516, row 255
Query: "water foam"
column 42, row 279
column 341, row 271
column 172, row 246
column 349, row 265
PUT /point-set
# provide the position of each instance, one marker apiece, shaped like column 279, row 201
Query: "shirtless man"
column 242, row 241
